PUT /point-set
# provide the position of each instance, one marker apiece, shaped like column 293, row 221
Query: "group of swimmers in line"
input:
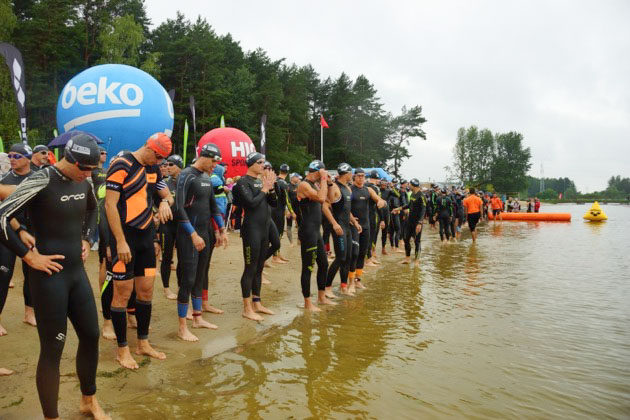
column 49, row 218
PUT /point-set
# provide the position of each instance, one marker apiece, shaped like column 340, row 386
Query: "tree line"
column 490, row 161
column 60, row 38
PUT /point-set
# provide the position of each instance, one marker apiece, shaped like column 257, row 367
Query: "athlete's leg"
column 188, row 257
column 29, row 313
column 257, row 284
column 252, row 244
column 205, row 305
column 201, row 279
column 309, row 242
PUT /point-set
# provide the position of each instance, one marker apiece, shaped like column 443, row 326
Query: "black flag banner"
column 192, row 112
column 263, row 134
column 13, row 57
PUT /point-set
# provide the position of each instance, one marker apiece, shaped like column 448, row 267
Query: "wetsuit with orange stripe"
column 137, row 185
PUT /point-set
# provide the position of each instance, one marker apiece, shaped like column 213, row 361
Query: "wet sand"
column 20, row 348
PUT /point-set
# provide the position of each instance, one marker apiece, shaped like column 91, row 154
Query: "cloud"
column 555, row 71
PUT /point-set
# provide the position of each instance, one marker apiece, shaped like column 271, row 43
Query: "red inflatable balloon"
column 235, row 145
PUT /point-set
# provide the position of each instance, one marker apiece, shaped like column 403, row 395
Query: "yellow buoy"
column 595, row 213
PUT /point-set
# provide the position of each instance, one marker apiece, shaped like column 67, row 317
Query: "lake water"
column 533, row 321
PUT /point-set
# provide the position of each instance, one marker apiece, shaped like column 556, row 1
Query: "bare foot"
column 124, row 357
column 417, row 264
column 352, row 290
column 359, row 285
column 310, row 306
column 186, row 335
column 11, row 284
column 29, row 316
column 90, row 407
column 405, row 261
column 258, row 307
column 277, row 260
column 209, row 308
column 331, row 295
column 199, row 322
column 265, row 280
column 145, row 349
column 108, row 330
column 131, row 321
column 268, row 264
column 346, row 291
column 377, row 262
column 325, row 301
column 369, row 263
column 3, row 331
column 189, row 313
column 252, row 315
column 401, row 251
column 283, row 258
column 384, row 252
column 168, row 294
column 6, row 372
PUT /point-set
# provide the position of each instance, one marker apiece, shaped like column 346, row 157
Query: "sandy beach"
column 20, row 348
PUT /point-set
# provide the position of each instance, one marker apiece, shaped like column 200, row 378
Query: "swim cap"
column 40, row 148
column 374, row 174
column 294, row 174
column 102, row 149
column 161, row 144
column 284, row 168
column 210, row 150
column 443, row 190
column 177, row 160
column 415, row 182
column 394, row 181
column 253, row 157
column 403, row 181
column 82, row 149
column 316, row 165
column 344, row 168
column 21, row 148
column 267, row 165
column 359, row 171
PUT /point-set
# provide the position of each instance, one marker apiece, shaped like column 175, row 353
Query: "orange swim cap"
column 161, row 144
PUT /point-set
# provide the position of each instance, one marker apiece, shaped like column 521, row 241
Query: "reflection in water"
column 532, row 321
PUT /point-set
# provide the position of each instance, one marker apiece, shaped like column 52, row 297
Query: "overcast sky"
column 556, row 71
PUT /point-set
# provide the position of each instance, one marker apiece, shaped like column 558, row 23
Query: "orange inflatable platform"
column 534, row 217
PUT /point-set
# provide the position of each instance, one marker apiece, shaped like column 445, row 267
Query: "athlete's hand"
column 359, row 228
column 418, row 228
column 338, row 229
column 123, row 252
column 27, row 239
column 45, row 263
column 157, row 248
column 324, row 175
column 382, row 224
column 164, row 212
column 381, row 203
column 268, row 178
column 197, row 241
column 85, row 250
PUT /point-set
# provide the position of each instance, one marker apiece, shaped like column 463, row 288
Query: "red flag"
column 323, row 122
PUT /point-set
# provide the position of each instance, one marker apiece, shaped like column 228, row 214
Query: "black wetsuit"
column 373, row 215
column 195, row 206
column 417, row 207
column 168, row 232
column 254, row 231
column 277, row 213
column 360, row 209
column 444, row 211
column 385, row 195
column 293, row 202
column 394, row 201
column 7, row 257
column 431, row 206
column 312, row 244
column 342, row 243
column 49, row 196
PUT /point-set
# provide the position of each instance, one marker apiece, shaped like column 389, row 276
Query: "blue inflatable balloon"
column 120, row 104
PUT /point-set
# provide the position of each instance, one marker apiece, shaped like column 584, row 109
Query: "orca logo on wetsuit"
column 72, row 197
column 61, row 337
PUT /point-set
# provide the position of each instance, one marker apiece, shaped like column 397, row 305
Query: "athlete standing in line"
column 473, row 205
column 417, row 207
column 168, row 230
column 385, row 219
column 195, row 207
column 444, row 211
column 312, row 193
column 338, row 211
column 394, row 221
column 254, row 194
column 375, row 216
column 361, row 198
column 292, row 194
column 20, row 169
column 132, row 181
column 278, row 213
column 59, row 284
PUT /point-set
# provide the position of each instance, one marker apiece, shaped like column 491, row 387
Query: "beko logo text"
column 90, row 93
column 73, row 197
